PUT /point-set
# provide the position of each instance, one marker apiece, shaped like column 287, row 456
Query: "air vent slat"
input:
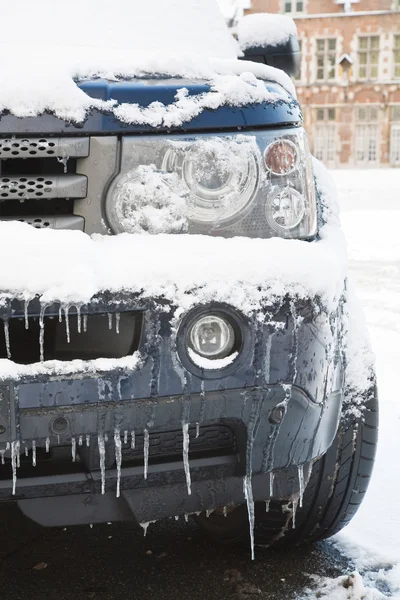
column 63, row 148
column 50, row 221
column 28, row 187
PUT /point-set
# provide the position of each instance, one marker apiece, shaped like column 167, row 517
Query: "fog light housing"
column 285, row 210
column 212, row 337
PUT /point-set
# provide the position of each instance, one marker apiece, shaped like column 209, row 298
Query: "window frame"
column 370, row 121
column 368, row 65
column 396, row 55
column 294, row 10
column 325, row 53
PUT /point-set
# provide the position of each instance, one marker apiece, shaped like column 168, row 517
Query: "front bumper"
column 281, row 402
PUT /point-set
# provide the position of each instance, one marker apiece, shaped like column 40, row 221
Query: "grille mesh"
column 25, row 187
column 43, row 147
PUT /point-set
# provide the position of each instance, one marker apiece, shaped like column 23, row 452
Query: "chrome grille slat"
column 36, row 147
column 42, row 187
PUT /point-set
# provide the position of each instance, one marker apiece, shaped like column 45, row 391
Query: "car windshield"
column 137, row 27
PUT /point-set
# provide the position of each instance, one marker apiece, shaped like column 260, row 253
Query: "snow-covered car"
column 179, row 336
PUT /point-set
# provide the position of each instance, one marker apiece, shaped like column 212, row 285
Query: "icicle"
column 64, row 161
column 132, row 440
column 34, row 453
column 41, row 332
column 84, row 323
column 80, row 440
column 26, row 304
column 2, row 453
column 125, row 436
column 248, row 494
column 110, row 320
column 7, row 338
column 186, row 518
column 117, row 320
column 300, row 470
column 202, row 403
column 294, row 510
column 146, row 451
column 47, row 444
column 271, row 483
column 225, row 511
column 197, row 430
column 66, row 310
column 102, row 454
column 267, row 503
column 26, row 451
column 118, row 459
column 87, row 441
column 145, row 527
column 106, row 437
column 14, row 463
column 58, row 439
column 78, row 319
column 73, row 449
column 60, row 314
column 185, row 432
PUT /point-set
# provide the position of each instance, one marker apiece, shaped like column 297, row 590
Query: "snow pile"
column 360, row 360
column 123, row 39
column 346, row 587
column 265, row 29
column 70, row 267
column 151, row 201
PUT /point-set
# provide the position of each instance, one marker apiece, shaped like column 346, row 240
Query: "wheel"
column 336, row 488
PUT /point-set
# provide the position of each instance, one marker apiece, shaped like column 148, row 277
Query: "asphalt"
column 174, row 561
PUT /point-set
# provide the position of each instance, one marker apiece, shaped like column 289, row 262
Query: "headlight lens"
column 212, row 337
column 221, row 176
column 258, row 184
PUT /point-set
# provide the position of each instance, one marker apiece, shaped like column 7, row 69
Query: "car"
column 180, row 336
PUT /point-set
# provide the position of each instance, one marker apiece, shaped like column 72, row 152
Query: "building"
column 349, row 85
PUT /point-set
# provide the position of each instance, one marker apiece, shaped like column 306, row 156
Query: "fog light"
column 212, row 337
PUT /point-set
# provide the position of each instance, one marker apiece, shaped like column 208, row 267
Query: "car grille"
column 39, row 182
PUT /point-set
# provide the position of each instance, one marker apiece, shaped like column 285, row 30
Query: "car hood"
column 282, row 109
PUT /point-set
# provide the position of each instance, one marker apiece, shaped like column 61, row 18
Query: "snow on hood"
column 124, row 39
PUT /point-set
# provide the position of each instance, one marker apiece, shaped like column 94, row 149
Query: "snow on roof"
column 58, row 43
column 263, row 29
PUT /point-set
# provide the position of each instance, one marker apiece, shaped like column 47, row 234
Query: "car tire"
column 335, row 491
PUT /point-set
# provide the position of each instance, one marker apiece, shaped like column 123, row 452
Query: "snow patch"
column 148, row 200
column 263, row 29
column 346, row 587
column 206, row 363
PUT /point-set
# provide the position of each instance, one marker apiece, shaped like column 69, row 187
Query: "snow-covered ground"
column 370, row 214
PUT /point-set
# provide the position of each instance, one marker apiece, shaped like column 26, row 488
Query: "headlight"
column 257, row 184
column 212, row 337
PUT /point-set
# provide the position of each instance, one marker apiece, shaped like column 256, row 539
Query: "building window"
column 293, row 6
column 395, row 136
column 325, row 136
column 367, row 135
column 326, row 59
column 396, row 57
column 368, row 57
column 299, row 74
